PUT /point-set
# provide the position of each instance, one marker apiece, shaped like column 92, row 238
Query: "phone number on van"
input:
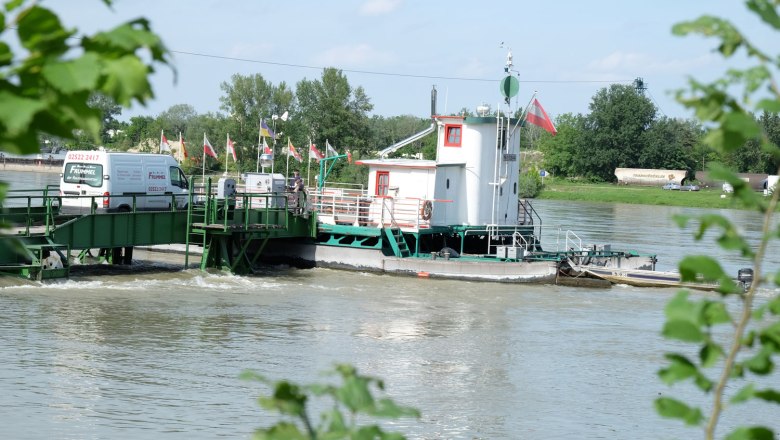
column 82, row 156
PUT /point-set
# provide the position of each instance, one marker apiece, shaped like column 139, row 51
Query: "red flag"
column 537, row 116
column 266, row 148
column 207, row 148
column 183, row 147
column 291, row 151
column 349, row 156
column 231, row 147
column 314, row 153
column 164, row 145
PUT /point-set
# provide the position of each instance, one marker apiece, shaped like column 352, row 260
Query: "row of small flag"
column 209, row 150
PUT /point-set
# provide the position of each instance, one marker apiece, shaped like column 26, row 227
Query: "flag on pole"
column 292, row 152
column 266, row 148
column 349, row 156
column 164, row 145
column 183, row 147
column 264, row 130
column 330, row 151
column 207, row 148
column 231, row 147
column 314, row 153
column 537, row 116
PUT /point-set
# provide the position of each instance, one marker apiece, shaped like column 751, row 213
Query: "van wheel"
column 123, row 208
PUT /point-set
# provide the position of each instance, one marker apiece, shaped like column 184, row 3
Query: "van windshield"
column 84, row 173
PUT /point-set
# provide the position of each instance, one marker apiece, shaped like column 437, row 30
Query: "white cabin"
column 473, row 181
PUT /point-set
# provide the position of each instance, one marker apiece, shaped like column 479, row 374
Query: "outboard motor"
column 745, row 278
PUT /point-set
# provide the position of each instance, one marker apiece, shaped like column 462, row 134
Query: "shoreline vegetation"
column 560, row 189
column 707, row 197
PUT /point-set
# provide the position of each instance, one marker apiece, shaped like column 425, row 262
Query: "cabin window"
column 514, row 188
column 453, row 133
column 382, row 182
column 448, row 183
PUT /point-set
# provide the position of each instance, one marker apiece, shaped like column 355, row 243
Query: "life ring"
column 426, row 210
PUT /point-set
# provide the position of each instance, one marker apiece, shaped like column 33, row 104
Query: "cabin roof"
column 398, row 163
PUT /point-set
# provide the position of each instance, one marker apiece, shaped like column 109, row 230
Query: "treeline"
column 624, row 130
column 325, row 109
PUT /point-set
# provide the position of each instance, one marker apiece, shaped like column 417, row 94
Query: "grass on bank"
column 559, row 189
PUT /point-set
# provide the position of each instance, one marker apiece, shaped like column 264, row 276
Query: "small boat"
column 643, row 278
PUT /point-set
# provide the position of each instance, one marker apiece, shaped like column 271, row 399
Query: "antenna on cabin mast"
column 509, row 85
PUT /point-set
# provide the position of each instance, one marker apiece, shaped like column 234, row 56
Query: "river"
column 155, row 352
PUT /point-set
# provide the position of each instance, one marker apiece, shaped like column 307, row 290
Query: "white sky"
column 565, row 50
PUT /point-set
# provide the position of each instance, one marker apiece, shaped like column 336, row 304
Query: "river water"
column 155, row 352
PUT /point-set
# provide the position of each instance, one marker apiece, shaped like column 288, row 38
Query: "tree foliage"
column 46, row 86
column 353, row 399
column 753, row 344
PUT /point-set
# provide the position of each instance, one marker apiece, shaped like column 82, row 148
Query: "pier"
column 40, row 241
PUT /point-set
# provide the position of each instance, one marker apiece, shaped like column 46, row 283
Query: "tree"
column 48, row 91
column 177, row 118
column 331, row 110
column 560, row 151
column 752, row 340
column 669, row 144
column 619, row 115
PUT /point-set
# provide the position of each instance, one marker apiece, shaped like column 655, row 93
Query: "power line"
column 370, row 72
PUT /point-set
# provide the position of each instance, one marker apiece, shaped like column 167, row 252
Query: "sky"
column 565, row 51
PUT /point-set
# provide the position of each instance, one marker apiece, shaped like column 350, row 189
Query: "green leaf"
column 679, row 308
column 766, row 10
column 73, row 76
column 126, row 79
column 679, row 369
column 715, row 312
column 751, row 433
column 693, row 265
column 16, row 112
column 769, row 395
column 683, row 331
column 672, row 408
column 280, row 431
column 40, row 30
column 6, row 56
column 746, row 393
column 769, row 105
column 388, row 409
column 13, row 4
column 761, row 362
column 355, row 395
column 710, row 354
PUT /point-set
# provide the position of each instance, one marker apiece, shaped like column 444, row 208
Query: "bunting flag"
column 266, row 148
column 264, row 130
column 292, row 152
column 231, row 147
column 330, row 151
column 164, row 145
column 537, row 116
column 207, row 148
column 183, row 147
column 314, row 153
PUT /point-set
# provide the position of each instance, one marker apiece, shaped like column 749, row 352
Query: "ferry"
column 458, row 216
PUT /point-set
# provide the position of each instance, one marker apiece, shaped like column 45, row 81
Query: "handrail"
column 407, row 141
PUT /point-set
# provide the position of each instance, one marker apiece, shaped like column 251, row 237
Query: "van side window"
column 177, row 177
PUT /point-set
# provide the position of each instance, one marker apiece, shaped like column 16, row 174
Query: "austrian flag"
column 537, row 116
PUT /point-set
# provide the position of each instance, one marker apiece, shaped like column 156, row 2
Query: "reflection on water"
column 156, row 353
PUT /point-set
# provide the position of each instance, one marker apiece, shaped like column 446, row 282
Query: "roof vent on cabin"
column 483, row 110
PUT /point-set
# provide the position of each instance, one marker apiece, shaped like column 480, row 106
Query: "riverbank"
column 642, row 195
column 35, row 168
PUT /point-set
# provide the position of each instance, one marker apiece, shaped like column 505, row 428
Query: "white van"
column 115, row 182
